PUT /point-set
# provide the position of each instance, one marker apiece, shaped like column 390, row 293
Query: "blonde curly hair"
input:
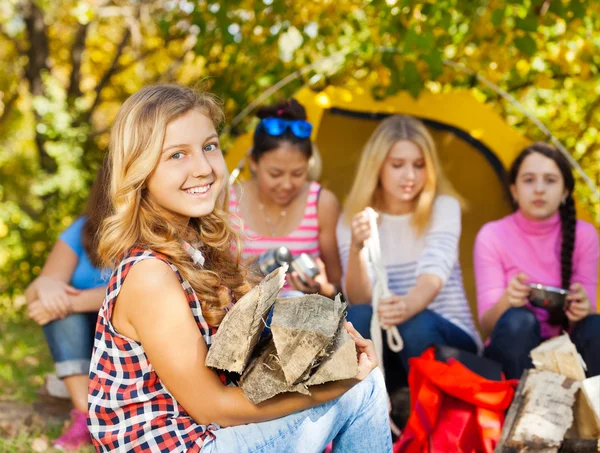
column 136, row 142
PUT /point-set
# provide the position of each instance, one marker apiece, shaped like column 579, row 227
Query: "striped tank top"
column 304, row 239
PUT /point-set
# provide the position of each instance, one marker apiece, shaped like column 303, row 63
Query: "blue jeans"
column 355, row 422
column 421, row 331
column 517, row 332
column 70, row 341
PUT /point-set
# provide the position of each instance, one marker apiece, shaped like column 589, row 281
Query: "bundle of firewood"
column 555, row 407
column 308, row 344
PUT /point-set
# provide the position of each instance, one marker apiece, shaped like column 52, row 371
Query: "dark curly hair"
column 97, row 209
column 288, row 110
column 567, row 208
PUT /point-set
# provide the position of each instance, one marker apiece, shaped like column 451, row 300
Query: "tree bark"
column 74, row 90
column 37, row 54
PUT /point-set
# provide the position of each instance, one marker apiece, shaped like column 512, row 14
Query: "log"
column 303, row 327
column 580, row 446
column 511, row 416
column 545, row 413
column 242, row 326
column 263, row 378
column 560, row 356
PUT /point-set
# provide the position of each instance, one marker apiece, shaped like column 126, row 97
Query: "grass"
column 24, row 360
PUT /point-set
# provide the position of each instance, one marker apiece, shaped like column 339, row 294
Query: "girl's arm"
column 88, row 300
column 353, row 256
column 152, row 309
column 51, row 286
column 328, row 211
column 437, row 261
column 495, row 294
column 585, row 261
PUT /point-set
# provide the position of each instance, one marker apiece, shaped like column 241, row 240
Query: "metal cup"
column 305, row 267
column 272, row 259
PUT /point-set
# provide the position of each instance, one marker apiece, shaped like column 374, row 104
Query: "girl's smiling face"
column 190, row 174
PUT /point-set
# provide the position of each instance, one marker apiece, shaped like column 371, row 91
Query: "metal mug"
column 272, row 259
column 305, row 267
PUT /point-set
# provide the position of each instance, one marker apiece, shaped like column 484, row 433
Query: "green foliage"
column 57, row 101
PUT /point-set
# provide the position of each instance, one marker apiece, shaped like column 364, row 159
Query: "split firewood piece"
column 303, row 328
column 559, row 355
column 340, row 362
column 587, row 409
column 242, row 326
column 546, row 412
column 263, row 378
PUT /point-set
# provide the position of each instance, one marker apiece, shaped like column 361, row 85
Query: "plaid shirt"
column 130, row 410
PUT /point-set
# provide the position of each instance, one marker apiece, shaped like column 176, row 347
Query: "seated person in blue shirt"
column 65, row 300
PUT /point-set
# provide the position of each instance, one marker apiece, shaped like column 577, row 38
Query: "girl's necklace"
column 272, row 226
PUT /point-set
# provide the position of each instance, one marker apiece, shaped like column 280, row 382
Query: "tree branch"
column 8, row 105
column 74, row 90
column 109, row 73
column 37, row 54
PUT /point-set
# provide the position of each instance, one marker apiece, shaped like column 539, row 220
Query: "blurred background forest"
column 68, row 65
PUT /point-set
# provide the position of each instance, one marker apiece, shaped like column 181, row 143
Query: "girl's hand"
column 367, row 358
column 361, row 229
column 579, row 303
column 54, row 296
column 37, row 312
column 517, row 291
column 320, row 284
column 393, row 311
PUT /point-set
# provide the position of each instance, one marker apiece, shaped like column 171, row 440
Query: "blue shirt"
column 86, row 275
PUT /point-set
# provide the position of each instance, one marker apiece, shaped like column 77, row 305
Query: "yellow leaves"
column 522, row 66
column 544, row 81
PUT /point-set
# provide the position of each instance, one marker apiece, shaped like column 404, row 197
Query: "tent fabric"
column 475, row 145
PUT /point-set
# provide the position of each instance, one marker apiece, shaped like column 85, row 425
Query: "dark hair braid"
column 567, row 221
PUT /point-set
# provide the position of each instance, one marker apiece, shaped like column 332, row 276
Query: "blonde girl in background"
column 419, row 222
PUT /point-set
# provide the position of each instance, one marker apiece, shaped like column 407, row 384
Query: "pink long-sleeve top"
column 514, row 244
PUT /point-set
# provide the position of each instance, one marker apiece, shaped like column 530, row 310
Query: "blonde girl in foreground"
column 149, row 388
column 419, row 224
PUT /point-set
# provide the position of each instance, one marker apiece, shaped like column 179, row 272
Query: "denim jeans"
column 421, row 331
column 517, row 332
column 70, row 341
column 355, row 422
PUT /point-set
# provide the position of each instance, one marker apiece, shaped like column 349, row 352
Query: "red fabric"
column 451, row 405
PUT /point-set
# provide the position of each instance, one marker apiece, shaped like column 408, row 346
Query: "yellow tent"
column 475, row 145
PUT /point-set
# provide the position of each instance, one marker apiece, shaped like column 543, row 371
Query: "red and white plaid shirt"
column 130, row 410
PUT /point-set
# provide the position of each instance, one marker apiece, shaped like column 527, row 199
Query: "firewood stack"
column 555, row 408
column 308, row 344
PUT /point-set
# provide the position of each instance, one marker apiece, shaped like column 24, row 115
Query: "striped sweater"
column 406, row 256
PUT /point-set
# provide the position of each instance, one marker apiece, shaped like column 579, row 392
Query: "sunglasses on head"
column 277, row 126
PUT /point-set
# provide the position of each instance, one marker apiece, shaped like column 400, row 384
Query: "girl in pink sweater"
column 542, row 242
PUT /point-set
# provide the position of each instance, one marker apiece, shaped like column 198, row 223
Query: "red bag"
column 452, row 408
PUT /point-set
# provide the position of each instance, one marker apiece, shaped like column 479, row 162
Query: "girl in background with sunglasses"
column 279, row 206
